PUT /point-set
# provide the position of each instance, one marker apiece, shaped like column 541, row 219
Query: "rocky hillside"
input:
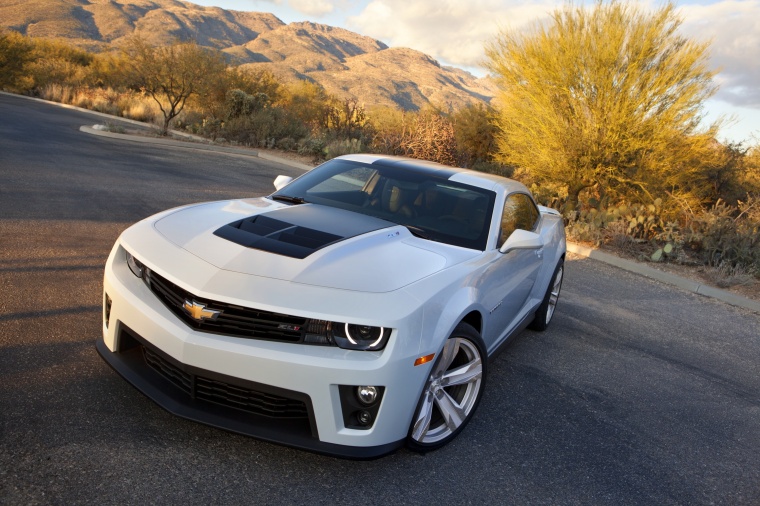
column 345, row 63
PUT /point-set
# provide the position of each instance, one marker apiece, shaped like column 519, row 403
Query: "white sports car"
column 349, row 313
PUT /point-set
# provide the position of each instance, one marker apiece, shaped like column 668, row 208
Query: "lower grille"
column 224, row 393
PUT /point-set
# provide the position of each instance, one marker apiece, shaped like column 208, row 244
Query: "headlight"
column 360, row 337
column 135, row 265
column 347, row 335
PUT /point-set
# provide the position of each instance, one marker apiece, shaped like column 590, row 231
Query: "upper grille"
column 233, row 320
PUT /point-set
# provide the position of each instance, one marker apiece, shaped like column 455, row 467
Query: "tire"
column 452, row 392
column 545, row 311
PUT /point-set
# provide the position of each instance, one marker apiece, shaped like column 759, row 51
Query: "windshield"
column 423, row 200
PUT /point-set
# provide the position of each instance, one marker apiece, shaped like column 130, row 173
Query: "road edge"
column 195, row 145
column 664, row 277
column 199, row 144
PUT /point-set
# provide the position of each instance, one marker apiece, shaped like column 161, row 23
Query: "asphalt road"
column 639, row 393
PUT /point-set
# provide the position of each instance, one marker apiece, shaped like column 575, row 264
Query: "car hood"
column 308, row 244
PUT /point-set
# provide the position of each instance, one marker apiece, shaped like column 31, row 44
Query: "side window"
column 519, row 212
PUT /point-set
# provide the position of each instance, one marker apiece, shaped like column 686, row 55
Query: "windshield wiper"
column 417, row 231
column 288, row 198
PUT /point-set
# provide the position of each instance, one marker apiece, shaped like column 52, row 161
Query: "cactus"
column 661, row 253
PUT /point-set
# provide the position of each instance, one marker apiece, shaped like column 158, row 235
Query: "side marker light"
column 424, row 360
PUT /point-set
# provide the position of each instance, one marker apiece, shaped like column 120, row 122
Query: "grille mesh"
column 226, row 394
column 233, row 320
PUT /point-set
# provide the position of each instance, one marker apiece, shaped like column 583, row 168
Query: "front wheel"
column 452, row 391
column 545, row 311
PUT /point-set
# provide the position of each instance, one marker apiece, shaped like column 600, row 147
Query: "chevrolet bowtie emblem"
column 199, row 311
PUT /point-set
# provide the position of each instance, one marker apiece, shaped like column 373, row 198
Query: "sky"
column 454, row 32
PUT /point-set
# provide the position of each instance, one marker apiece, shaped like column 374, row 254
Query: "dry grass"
column 140, row 109
column 126, row 104
column 727, row 276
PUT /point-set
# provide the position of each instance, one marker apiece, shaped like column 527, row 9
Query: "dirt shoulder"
column 743, row 285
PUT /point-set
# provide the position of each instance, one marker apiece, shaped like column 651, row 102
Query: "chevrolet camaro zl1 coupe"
column 351, row 312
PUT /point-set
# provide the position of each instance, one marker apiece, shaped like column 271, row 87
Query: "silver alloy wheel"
column 554, row 295
column 451, row 391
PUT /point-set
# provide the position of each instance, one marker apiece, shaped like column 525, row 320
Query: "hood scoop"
column 299, row 231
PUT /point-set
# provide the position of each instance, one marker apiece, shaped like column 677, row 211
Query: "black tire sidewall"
column 539, row 320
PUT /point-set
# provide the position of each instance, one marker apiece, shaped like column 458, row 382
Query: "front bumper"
column 297, row 433
column 308, row 374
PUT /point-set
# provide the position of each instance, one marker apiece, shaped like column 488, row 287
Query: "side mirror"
column 521, row 239
column 282, row 181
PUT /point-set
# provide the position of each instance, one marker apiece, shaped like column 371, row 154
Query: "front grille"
column 226, row 394
column 232, row 320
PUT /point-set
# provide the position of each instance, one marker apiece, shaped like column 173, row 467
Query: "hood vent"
column 276, row 236
column 295, row 231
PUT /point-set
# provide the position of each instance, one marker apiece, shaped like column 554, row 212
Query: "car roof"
column 456, row 174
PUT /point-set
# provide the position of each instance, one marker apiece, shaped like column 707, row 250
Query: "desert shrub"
column 308, row 103
column 262, row 128
column 493, row 168
column 239, row 103
column 387, row 126
column 723, row 236
column 342, row 147
column 475, row 132
column 347, row 119
column 313, row 145
column 727, row 236
column 16, row 52
column 287, row 144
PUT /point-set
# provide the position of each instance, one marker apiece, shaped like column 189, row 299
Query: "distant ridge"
column 345, row 63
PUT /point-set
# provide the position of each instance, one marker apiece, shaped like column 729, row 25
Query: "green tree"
column 309, row 103
column 475, row 134
column 57, row 62
column 16, row 52
column 172, row 74
column 597, row 97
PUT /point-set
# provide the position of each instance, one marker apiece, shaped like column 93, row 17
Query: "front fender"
column 439, row 320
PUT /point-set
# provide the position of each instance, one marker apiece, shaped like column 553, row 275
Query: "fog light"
column 364, row 417
column 366, row 395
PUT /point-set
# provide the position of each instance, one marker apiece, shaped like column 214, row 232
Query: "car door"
column 510, row 278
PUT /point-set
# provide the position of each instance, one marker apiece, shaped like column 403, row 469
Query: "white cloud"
column 316, row 8
column 734, row 28
column 454, row 31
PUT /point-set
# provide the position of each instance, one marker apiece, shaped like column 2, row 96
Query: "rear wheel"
column 452, row 391
column 545, row 311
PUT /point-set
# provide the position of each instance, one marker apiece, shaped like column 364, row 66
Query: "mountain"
column 97, row 23
column 345, row 63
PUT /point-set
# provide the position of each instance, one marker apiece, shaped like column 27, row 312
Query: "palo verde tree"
column 597, row 96
column 171, row 74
